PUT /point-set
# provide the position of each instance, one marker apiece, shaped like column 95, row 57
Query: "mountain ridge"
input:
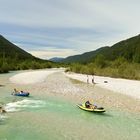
column 9, row 49
column 56, row 59
column 128, row 48
column 13, row 57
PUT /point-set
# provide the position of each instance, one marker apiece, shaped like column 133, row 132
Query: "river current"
column 48, row 117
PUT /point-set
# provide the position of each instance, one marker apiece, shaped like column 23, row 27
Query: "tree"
column 4, row 68
column 136, row 58
column 100, row 61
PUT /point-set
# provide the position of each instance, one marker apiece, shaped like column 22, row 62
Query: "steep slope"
column 85, row 57
column 14, row 58
column 9, row 50
column 129, row 49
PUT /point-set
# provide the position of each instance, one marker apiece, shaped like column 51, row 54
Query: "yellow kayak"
column 93, row 109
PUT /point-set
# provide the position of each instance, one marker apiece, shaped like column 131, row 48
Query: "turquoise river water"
column 53, row 118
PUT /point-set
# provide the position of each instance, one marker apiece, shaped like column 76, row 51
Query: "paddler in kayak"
column 89, row 105
column 15, row 91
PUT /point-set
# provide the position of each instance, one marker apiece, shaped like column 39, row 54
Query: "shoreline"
column 123, row 86
column 32, row 77
column 56, row 98
column 60, row 84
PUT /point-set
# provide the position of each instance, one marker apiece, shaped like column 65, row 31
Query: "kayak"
column 97, row 109
column 24, row 94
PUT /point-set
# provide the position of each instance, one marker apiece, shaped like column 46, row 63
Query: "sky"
column 60, row 28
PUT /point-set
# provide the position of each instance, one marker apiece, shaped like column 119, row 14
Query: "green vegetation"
column 121, row 60
column 118, row 69
column 129, row 49
column 86, row 57
column 14, row 58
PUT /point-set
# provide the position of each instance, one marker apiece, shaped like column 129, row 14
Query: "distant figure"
column 93, row 79
column 87, row 79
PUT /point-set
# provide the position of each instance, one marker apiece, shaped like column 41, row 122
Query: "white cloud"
column 50, row 53
column 80, row 25
column 74, row 13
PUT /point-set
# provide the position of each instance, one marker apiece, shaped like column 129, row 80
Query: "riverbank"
column 33, row 77
column 51, row 112
column 123, row 86
column 57, row 83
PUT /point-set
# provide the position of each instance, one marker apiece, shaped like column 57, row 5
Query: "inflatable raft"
column 24, row 94
column 92, row 109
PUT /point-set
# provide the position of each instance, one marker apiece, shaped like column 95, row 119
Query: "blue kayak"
column 24, row 94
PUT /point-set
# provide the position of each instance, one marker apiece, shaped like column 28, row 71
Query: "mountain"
column 14, row 58
column 56, row 59
column 85, row 57
column 128, row 49
column 122, row 60
column 9, row 50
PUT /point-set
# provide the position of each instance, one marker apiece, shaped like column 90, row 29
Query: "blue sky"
column 60, row 28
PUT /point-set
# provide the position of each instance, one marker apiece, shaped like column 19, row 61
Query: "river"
column 51, row 113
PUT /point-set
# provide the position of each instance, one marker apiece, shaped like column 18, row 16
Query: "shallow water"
column 54, row 118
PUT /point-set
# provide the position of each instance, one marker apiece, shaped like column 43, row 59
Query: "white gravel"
column 124, row 86
column 32, row 77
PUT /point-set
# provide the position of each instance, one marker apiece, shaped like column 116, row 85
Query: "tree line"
column 118, row 68
column 7, row 64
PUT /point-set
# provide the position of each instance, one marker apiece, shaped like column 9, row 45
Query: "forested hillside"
column 14, row 58
column 120, row 60
column 128, row 49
